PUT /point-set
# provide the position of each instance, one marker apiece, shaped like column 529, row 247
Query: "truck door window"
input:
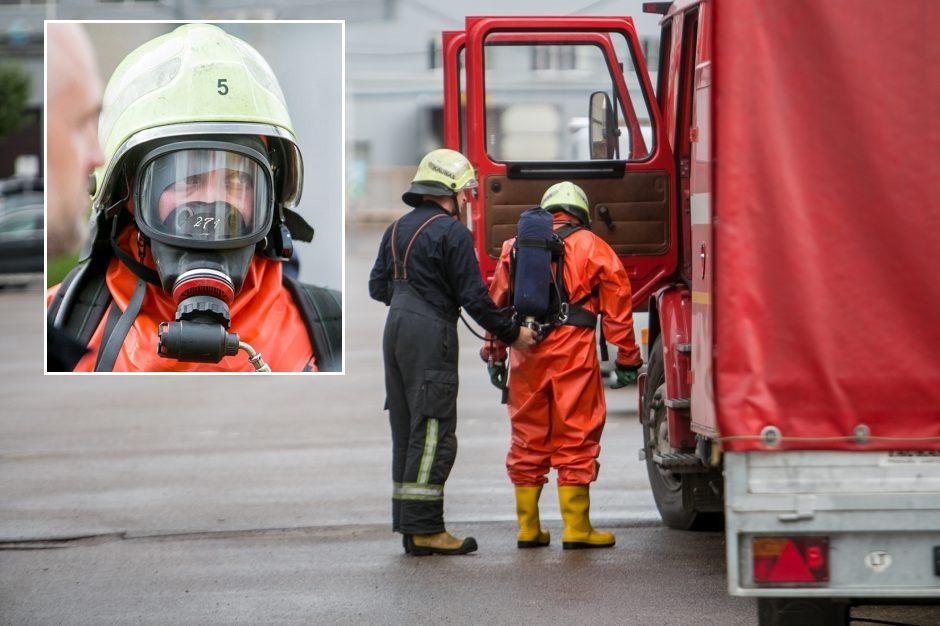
column 537, row 94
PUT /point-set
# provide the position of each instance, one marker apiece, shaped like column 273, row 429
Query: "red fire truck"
column 773, row 200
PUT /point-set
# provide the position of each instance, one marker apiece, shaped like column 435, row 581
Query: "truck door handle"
column 702, row 255
column 604, row 214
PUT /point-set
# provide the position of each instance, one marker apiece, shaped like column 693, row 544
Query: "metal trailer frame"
column 880, row 510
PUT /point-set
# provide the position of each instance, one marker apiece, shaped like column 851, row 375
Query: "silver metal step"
column 678, row 403
column 678, row 461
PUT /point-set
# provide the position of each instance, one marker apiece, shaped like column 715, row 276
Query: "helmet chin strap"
column 450, row 204
column 143, row 272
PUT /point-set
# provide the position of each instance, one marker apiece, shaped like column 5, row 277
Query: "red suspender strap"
column 404, row 263
column 392, row 245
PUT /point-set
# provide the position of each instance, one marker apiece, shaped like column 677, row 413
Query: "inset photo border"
column 213, row 238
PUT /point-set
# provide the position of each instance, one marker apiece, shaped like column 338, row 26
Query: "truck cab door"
column 528, row 91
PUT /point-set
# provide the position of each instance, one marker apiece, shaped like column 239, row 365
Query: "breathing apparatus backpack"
column 537, row 293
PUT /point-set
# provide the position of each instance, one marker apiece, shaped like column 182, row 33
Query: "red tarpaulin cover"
column 827, row 224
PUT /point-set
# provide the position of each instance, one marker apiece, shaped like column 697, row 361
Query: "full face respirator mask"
column 204, row 205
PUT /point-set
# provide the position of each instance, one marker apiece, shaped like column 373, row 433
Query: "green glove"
column 626, row 375
column 498, row 374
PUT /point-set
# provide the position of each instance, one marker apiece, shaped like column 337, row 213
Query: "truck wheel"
column 802, row 612
column 666, row 485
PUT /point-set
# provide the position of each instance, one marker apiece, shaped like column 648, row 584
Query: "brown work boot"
column 439, row 543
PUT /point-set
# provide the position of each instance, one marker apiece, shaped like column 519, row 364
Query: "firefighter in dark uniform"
column 425, row 271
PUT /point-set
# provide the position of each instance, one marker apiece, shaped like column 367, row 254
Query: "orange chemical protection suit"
column 556, row 395
column 263, row 314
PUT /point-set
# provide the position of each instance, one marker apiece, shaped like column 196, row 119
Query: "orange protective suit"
column 263, row 314
column 556, row 395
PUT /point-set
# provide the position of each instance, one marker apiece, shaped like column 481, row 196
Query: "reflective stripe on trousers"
column 423, row 490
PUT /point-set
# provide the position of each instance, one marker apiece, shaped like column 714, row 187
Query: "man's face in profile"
column 73, row 151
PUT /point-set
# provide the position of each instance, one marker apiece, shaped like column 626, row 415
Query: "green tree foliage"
column 14, row 94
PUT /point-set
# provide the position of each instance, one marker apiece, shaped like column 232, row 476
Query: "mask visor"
column 205, row 197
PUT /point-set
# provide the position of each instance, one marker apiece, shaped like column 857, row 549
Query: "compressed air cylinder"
column 533, row 271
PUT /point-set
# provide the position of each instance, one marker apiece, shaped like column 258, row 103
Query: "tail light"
column 782, row 560
column 660, row 8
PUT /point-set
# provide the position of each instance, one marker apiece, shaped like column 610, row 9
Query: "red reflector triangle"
column 790, row 567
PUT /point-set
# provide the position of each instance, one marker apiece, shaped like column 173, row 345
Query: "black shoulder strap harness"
column 322, row 311
column 563, row 312
column 83, row 300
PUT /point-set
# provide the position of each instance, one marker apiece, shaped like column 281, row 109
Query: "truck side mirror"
column 602, row 126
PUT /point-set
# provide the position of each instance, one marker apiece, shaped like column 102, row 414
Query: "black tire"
column 802, row 612
column 666, row 485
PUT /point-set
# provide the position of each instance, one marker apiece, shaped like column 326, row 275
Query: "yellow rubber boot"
column 575, row 507
column 530, row 534
column 438, row 543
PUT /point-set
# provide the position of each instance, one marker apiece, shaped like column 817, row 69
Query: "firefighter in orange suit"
column 556, row 394
column 193, row 219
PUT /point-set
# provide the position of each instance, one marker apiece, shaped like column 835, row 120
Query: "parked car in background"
column 21, row 231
